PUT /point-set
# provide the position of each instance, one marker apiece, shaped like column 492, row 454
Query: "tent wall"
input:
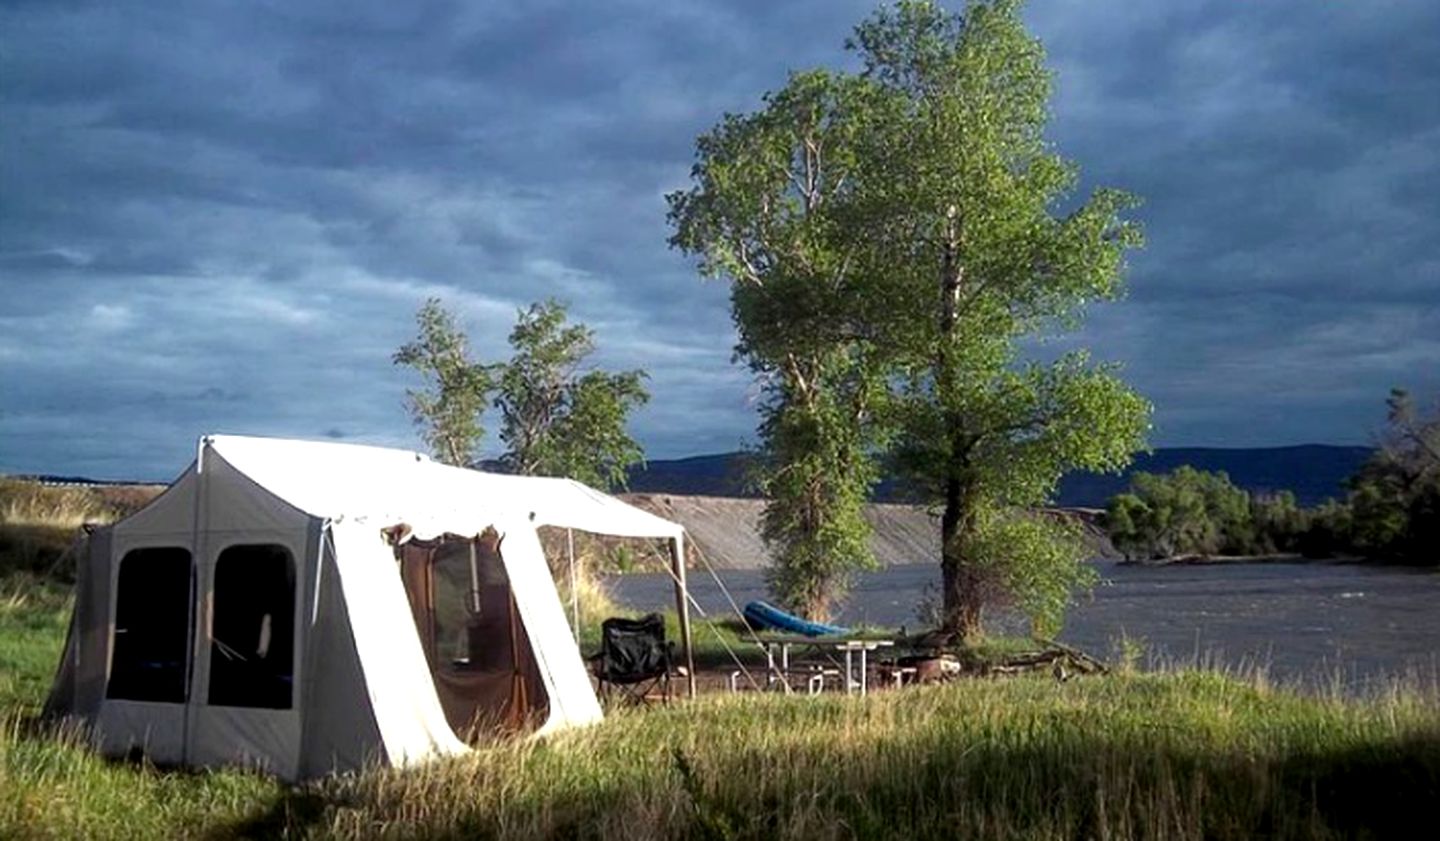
column 339, row 730
column 572, row 698
column 207, row 511
column 234, row 512
column 157, row 728
column 79, row 685
column 232, row 501
column 251, row 729
column 396, row 679
column 172, row 512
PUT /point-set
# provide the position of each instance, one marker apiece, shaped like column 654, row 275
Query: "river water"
column 1317, row 624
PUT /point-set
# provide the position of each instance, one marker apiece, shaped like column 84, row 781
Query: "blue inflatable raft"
column 763, row 615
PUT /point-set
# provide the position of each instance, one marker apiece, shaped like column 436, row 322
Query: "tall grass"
column 1189, row 755
column 39, row 523
column 33, row 618
column 1186, row 756
column 27, row 503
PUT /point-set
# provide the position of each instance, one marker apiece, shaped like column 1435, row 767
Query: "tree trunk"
column 962, row 602
column 962, row 605
column 816, row 608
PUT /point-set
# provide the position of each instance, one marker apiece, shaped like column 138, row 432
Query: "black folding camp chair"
column 634, row 660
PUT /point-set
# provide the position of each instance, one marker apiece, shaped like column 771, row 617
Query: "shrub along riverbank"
column 1391, row 513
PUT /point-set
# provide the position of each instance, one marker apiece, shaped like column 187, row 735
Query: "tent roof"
column 387, row 486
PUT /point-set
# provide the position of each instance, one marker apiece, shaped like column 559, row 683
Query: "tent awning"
column 386, row 486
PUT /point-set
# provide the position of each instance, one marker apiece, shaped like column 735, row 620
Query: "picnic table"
column 825, row 647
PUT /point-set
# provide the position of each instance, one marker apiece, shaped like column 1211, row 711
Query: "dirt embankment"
column 727, row 530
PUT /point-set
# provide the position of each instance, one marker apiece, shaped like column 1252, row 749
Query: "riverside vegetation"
column 1181, row 754
column 1391, row 512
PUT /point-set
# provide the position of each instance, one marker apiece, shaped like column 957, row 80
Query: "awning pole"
column 574, row 591
column 682, row 603
column 474, row 581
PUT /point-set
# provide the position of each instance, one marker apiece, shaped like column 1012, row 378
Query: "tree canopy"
column 1394, row 500
column 770, row 211
column 556, row 418
column 891, row 237
column 1195, row 512
column 448, row 412
column 1391, row 512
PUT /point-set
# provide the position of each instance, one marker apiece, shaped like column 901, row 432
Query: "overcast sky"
column 221, row 216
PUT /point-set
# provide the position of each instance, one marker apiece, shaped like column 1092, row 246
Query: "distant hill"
column 722, row 474
column 1312, row 472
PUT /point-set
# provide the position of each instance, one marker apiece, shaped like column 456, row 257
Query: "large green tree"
column 769, row 211
column 965, row 226
column 556, row 417
column 944, row 234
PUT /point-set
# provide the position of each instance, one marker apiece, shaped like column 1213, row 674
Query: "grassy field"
column 1188, row 754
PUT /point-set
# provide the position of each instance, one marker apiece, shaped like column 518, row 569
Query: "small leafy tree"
column 1189, row 511
column 1278, row 522
column 1392, row 510
column 1029, row 560
column 1328, row 530
column 1186, row 511
column 448, row 412
column 1125, row 517
column 556, row 418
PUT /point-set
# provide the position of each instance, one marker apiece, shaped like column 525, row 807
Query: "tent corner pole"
column 682, row 603
column 574, row 589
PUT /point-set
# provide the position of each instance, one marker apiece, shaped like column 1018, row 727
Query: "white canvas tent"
column 256, row 612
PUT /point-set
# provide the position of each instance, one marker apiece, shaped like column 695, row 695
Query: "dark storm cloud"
column 221, row 217
column 1286, row 155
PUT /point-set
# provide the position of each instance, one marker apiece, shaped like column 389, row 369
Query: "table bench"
column 849, row 646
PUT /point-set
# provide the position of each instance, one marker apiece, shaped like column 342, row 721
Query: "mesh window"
column 472, row 606
column 480, row 658
column 152, row 626
column 252, row 652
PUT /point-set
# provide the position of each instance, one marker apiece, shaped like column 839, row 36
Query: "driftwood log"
column 1062, row 661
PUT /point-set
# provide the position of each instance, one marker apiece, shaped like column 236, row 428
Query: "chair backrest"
column 634, row 647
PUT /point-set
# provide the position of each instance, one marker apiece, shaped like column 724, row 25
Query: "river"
column 1317, row 624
